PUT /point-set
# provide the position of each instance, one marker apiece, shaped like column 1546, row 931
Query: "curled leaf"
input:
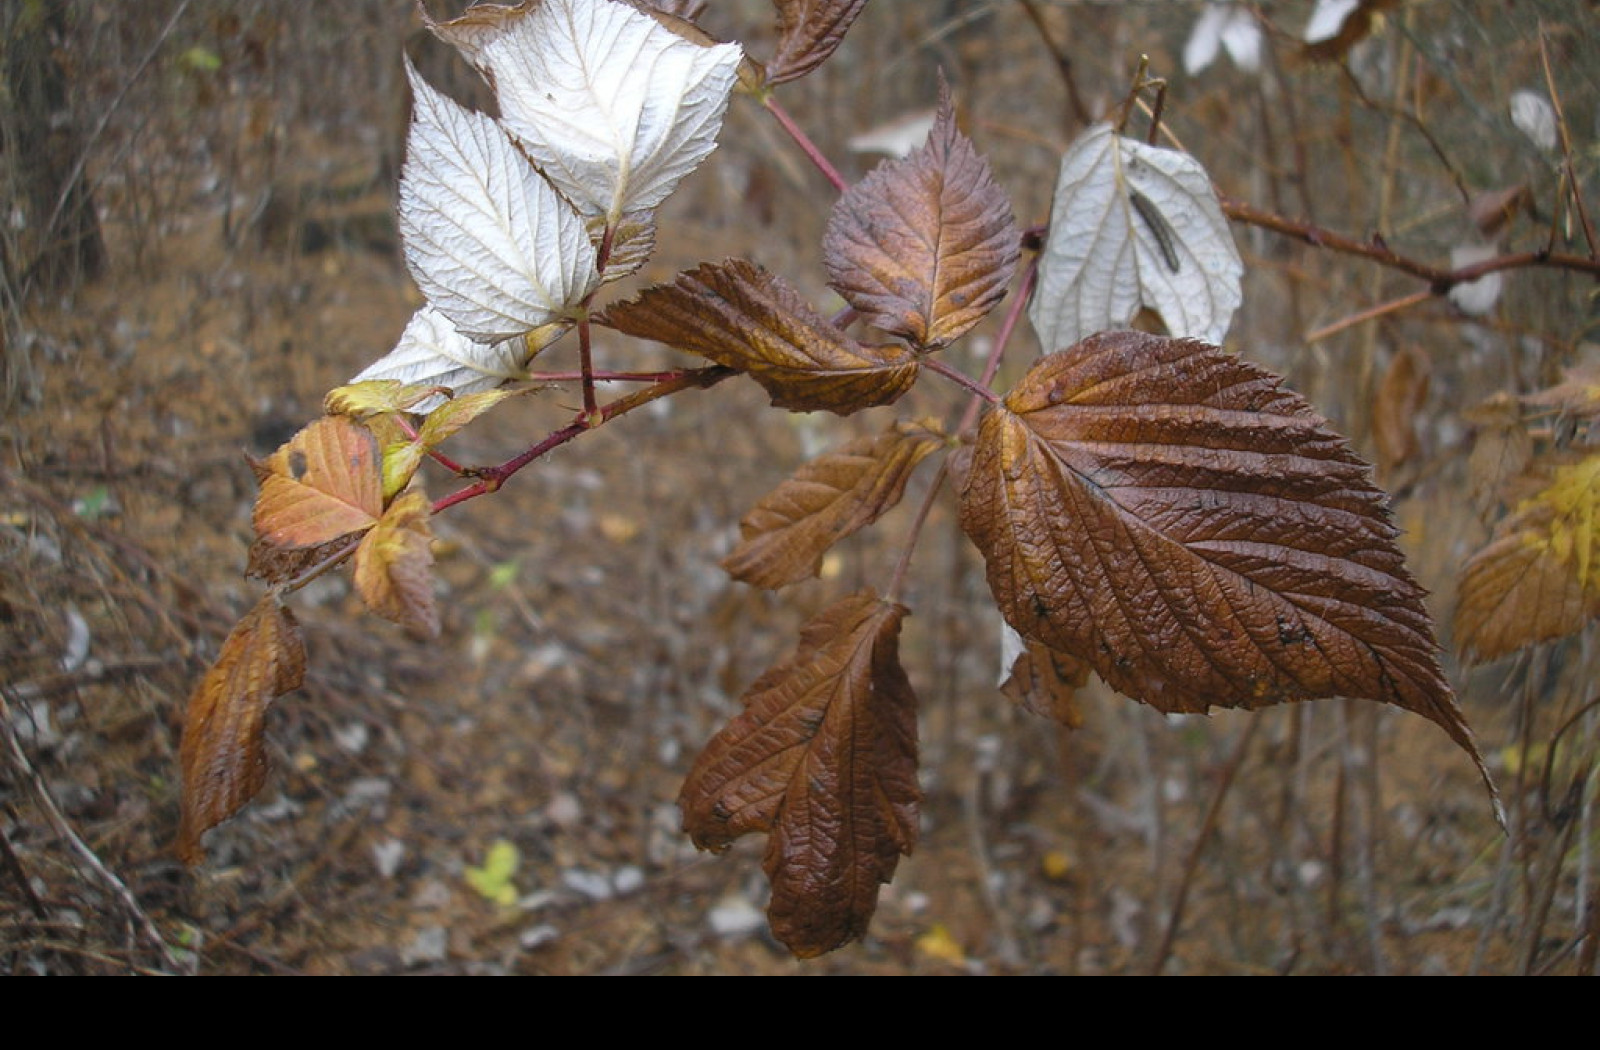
column 1197, row 535
column 393, row 566
column 784, row 537
column 924, row 247
column 1134, row 226
column 742, row 316
column 224, row 763
column 824, row 757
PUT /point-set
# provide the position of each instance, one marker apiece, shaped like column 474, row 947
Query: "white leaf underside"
column 432, row 353
column 612, row 107
column 490, row 243
column 1110, row 253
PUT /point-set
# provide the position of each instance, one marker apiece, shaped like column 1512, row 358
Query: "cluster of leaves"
column 1148, row 507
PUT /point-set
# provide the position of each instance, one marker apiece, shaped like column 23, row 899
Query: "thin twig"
column 1207, row 826
column 46, row 802
column 809, row 148
column 1569, row 173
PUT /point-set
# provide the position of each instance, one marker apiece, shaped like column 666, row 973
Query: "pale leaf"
column 1475, row 298
column 432, row 353
column 1229, row 26
column 1533, row 115
column 490, row 243
column 1134, row 226
column 614, row 108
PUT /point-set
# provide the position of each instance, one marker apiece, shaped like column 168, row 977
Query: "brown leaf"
column 1200, row 537
column 824, row 757
column 1045, row 683
column 282, row 564
column 393, row 563
column 741, row 316
column 1492, row 210
column 1502, row 447
column 323, row 483
column 784, row 537
column 1401, row 395
column 808, row 32
column 924, row 247
column 1538, row 579
column 224, row 763
column 1358, row 24
column 1577, row 395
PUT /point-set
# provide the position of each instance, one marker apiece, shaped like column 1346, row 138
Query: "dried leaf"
column 1042, row 681
column 925, row 247
column 1401, row 394
column 374, row 397
column 393, row 566
column 282, row 564
column 1134, row 226
column 1538, row 579
column 613, row 107
column 784, row 537
column 320, row 485
column 224, row 763
column 1492, row 211
column 1336, row 26
column 824, row 757
column 633, row 239
column 1576, row 396
column 740, row 315
column 490, row 243
column 808, row 32
column 1200, row 537
column 1502, row 447
column 456, row 413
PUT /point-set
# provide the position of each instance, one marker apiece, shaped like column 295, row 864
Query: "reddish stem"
column 491, row 478
column 807, row 147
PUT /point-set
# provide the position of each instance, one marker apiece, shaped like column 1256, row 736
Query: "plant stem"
column 491, row 478
column 960, row 378
column 807, row 147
